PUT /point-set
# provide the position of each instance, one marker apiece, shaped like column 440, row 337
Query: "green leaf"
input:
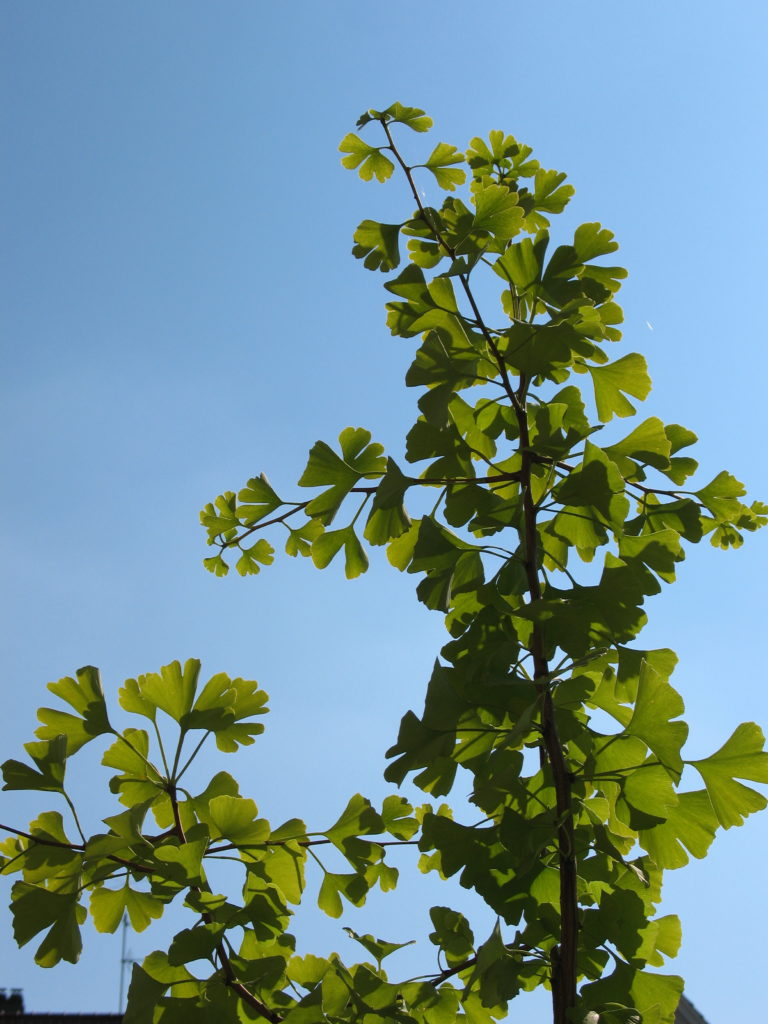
column 740, row 757
column 246, row 700
column 657, row 704
column 369, row 159
column 661, row 936
column 50, row 858
column 86, row 696
column 216, row 565
column 660, row 551
column 234, row 818
column 377, row 245
column 148, row 984
column 300, row 541
column 721, row 496
column 440, row 163
column 144, row 993
column 649, row 793
column 593, row 240
column 192, row 944
column 108, row 906
column 182, row 865
column 257, row 500
column 522, row 262
column 596, row 484
column 689, row 828
column 36, row 909
column 654, row 996
column 505, row 152
column 549, row 193
column 396, row 817
column 220, row 517
column 325, row 468
column 452, row 934
column 129, row 755
column 497, row 212
column 214, row 708
column 411, row 117
column 493, row 974
column 250, row 561
column 648, row 443
column 353, row 887
column 284, row 867
column 49, row 756
column 359, row 818
column 625, row 376
column 388, row 518
column 378, row 948
column 171, row 690
column 328, row 545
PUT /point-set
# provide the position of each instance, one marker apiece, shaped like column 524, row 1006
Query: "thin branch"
column 192, row 756
column 463, row 278
column 162, row 748
column 74, row 815
column 305, row 843
column 79, row 847
column 260, row 525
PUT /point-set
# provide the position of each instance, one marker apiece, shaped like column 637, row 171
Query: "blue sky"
column 180, row 311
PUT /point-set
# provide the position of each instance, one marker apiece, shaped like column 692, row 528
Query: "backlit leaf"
column 440, row 163
column 86, row 696
column 377, row 245
column 108, row 907
column 369, row 159
column 657, row 704
column 740, row 757
column 625, row 376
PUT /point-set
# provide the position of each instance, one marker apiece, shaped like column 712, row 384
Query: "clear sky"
column 180, row 311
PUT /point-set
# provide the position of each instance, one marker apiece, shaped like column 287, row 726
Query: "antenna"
column 125, row 959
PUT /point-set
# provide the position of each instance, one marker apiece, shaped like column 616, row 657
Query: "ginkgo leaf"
column 522, row 263
column 359, row 458
column 328, row 545
column 86, row 696
column 49, row 757
column 220, row 517
column 721, row 496
column 740, row 757
column 256, row 500
column 369, row 159
column 440, row 163
column 378, row 948
column 234, row 818
column 171, row 690
column 452, row 934
column 648, row 443
column 497, row 212
column 36, row 909
column 657, row 704
column 352, row 886
column 593, row 240
column 250, row 561
column 377, row 245
column 549, row 192
column 690, row 827
column 108, row 907
column 625, row 376
column 412, row 117
column 358, row 818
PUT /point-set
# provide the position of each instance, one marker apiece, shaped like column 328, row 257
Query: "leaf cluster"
column 541, row 550
column 538, row 525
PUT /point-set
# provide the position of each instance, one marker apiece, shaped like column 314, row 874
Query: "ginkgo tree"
column 538, row 525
